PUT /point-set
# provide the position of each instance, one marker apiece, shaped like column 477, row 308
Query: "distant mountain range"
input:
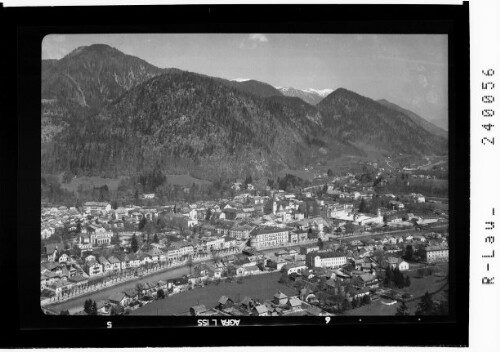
column 107, row 113
column 311, row 96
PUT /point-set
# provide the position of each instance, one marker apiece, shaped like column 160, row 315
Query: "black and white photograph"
column 253, row 174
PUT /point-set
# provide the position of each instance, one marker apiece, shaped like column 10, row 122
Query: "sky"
column 409, row 70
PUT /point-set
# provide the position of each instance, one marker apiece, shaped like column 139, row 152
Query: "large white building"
column 338, row 210
column 436, row 254
column 326, row 259
column 96, row 206
column 269, row 237
column 99, row 236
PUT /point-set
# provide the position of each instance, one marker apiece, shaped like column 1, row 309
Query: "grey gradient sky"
column 408, row 70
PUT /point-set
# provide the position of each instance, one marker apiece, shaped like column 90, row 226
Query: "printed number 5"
column 109, row 325
column 492, row 141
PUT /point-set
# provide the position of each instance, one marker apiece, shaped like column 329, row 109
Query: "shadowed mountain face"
column 106, row 112
column 438, row 131
column 94, row 75
column 360, row 120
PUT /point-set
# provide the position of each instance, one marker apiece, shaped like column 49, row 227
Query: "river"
column 76, row 305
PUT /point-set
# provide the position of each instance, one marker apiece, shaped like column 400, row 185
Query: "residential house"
column 395, row 262
column 118, row 298
column 280, row 298
column 47, row 232
column 63, row 258
column 103, row 307
column 260, row 310
column 306, row 250
column 93, row 268
column 225, row 302
column 294, row 304
column 156, row 254
column 251, row 270
column 106, row 265
column 198, row 310
column 291, row 268
column 115, row 263
column 277, row 264
column 229, row 242
column 365, row 280
column 396, row 204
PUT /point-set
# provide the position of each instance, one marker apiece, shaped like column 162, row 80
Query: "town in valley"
column 189, row 192
column 340, row 245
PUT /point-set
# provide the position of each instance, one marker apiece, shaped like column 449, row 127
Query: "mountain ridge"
column 424, row 123
column 117, row 114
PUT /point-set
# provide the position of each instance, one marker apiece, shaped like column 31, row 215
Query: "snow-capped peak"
column 241, row 79
column 321, row 92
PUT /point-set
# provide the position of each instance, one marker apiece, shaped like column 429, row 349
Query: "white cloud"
column 253, row 40
column 258, row 37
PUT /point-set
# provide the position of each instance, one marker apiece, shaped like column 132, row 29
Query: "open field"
column 417, row 288
column 260, row 286
column 427, row 283
column 113, row 183
column 305, row 175
column 94, row 181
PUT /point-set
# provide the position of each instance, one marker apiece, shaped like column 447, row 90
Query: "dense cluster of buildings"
column 95, row 240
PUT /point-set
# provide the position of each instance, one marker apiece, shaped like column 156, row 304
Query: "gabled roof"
column 367, row 277
column 199, row 308
column 261, row 309
column 130, row 293
column 155, row 252
column 103, row 260
column 394, row 260
column 251, row 268
column 113, row 260
column 294, row 301
column 117, row 297
column 224, row 300
column 50, row 265
column 246, row 301
column 280, row 295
